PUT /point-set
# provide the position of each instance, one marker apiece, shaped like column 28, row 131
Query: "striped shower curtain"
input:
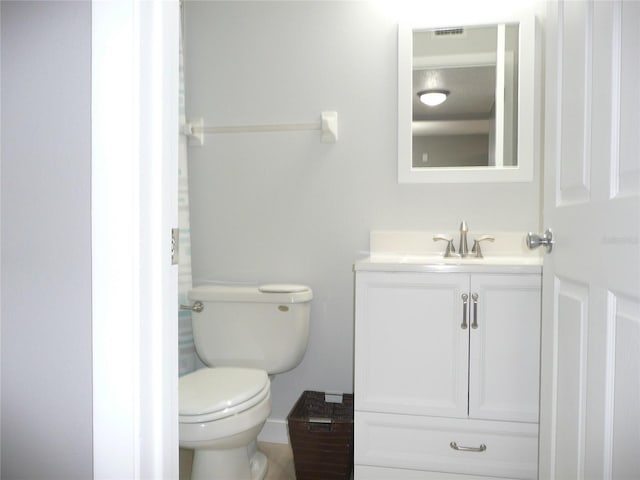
column 187, row 355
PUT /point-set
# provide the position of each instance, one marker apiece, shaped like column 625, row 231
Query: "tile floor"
column 280, row 461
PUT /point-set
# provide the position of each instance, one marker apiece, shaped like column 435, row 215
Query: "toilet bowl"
column 222, row 410
column 244, row 334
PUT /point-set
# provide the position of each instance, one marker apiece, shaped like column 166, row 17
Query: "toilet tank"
column 264, row 327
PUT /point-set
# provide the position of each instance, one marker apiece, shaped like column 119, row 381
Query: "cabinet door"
column 505, row 348
column 411, row 356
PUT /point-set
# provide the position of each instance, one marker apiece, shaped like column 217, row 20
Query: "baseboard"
column 274, row 431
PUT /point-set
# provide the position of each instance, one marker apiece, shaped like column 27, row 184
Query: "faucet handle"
column 476, row 244
column 450, row 249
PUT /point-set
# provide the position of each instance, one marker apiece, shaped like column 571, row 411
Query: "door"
column 504, row 347
column 411, row 355
column 590, row 370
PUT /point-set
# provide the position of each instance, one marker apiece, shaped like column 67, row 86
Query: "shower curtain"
column 187, row 352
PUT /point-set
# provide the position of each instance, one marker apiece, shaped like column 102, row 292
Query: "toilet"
column 243, row 335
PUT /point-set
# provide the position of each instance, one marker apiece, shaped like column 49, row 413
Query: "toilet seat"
column 214, row 393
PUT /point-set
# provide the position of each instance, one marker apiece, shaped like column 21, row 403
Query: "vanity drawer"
column 426, row 443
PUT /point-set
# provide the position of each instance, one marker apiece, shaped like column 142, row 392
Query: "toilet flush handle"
column 197, row 307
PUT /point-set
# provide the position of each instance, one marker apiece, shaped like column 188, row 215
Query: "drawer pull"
column 455, row 446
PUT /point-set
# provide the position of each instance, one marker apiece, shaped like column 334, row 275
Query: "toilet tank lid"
column 269, row 293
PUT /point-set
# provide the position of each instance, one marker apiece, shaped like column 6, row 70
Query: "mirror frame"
column 527, row 113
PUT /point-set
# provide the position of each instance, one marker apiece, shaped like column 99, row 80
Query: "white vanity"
column 446, row 361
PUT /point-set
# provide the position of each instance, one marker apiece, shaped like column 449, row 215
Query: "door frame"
column 134, row 204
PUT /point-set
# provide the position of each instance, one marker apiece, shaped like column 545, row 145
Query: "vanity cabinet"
column 446, row 374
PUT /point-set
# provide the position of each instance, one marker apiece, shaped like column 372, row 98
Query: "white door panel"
column 573, row 171
column 625, row 157
column 570, row 357
column 591, row 284
column 622, row 433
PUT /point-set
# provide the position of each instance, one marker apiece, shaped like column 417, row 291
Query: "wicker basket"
column 321, row 436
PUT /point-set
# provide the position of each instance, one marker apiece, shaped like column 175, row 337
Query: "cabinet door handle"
column 465, row 299
column 455, row 446
column 475, row 310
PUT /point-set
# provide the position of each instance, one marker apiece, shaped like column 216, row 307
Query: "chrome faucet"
column 463, row 249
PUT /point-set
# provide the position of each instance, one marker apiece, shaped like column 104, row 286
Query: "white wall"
column 46, row 232
column 274, row 207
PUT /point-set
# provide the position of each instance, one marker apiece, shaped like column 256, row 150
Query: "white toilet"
column 244, row 334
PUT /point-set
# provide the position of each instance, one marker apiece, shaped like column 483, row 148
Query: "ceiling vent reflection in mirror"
column 442, row 32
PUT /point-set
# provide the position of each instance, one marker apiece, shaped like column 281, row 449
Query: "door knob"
column 546, row 240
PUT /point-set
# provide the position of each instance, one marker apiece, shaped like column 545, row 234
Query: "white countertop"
column 415, row 251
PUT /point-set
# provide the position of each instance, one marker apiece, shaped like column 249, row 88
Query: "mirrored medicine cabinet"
column 466, row 102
